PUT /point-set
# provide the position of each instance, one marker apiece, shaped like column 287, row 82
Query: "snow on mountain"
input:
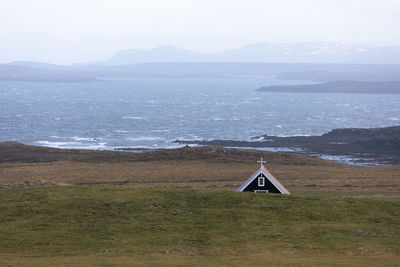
column 317, row 52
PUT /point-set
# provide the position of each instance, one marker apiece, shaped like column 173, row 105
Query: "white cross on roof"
column 261, row 162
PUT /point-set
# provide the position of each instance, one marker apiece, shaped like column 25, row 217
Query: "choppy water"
column 153, row 112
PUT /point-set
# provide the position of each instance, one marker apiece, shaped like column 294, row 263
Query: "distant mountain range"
column 319, row 62
column 37, row 71
column 320, row 52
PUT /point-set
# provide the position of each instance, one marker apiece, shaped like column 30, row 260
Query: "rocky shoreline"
column 358, row 146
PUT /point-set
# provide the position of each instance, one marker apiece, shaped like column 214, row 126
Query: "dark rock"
column 381, row 145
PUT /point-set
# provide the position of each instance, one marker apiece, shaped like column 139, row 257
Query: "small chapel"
column 262, row 181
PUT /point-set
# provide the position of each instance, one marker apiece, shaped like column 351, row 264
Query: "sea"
column 151, row 113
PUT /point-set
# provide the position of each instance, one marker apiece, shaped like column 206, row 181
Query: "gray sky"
column 66, row 31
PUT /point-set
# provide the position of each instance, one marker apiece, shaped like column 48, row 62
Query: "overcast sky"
column 66, row 31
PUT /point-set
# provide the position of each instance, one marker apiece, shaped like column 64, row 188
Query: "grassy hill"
column 125, row 225
column 178, row 207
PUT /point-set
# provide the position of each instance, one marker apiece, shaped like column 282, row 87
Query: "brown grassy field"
column 205, row 167
column 103, row 208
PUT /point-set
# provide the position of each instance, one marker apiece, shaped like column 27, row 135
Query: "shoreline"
column 188, row 167
column 356, row 146
column 352, row 160
column 351, row 146
column 337, row 87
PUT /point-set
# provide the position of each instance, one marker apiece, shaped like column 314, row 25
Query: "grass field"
column 204, row 167
column 122, row 225
column 178, row 207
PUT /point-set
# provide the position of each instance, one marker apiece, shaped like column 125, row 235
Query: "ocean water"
column 150, row 113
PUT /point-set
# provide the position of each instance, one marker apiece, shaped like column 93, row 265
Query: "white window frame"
column 261, row 191
column 261, row 181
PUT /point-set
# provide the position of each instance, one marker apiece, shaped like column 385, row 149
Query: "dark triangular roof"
column 269, row 176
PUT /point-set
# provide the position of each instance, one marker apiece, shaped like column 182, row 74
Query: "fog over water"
column 69, row 31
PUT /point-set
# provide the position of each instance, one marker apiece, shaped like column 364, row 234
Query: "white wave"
column 76, row 138
column 120, row 131
column 218, row 119
column 223, row 119
column 152, row 147
column 57, row 144
column 77, row 145
column 260, row 138
column 138, row 148
column 160, row 131
column 394, row 119
column 134, row 118
column 268, row 114
column 144, row 138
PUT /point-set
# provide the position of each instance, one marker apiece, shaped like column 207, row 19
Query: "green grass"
column 388, row 195
column 127, row 225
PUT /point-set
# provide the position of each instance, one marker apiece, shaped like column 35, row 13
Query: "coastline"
column 341, row 87
column 188, row 167
column 352, row 146
column 357, row 146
